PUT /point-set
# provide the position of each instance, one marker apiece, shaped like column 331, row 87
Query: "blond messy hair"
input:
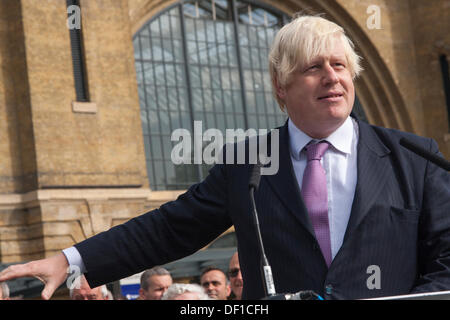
column 299, row 42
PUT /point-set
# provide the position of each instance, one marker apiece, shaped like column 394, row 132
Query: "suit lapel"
column 284, row 184
column 373, row 171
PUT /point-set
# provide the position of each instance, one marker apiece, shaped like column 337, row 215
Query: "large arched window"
column 203, row 61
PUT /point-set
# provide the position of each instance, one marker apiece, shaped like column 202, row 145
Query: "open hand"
column 51, row 271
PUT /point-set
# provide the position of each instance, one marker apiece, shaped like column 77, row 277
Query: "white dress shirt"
column 339, row 162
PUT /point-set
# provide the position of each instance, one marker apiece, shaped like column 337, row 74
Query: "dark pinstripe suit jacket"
column 400, row 223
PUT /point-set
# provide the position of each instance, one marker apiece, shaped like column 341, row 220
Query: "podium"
column 438, row 295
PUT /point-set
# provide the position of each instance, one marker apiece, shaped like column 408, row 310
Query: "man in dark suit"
column 349, row 214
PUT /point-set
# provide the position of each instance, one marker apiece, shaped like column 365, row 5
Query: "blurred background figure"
column 185, row 291
column 154, row 282
column 235, row 276
column 4, row 291
column 82, row 291
column 215, row 283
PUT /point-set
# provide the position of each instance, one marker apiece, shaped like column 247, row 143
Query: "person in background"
column 154, row 282
column 235, row 276
column 185, row 291
column 215, row 283
column 4, row 291
column 82, row 291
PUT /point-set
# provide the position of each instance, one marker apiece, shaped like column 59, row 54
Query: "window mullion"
column 239, row 60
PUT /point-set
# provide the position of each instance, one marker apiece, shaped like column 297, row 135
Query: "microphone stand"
column 269, row 285
column 439, row 161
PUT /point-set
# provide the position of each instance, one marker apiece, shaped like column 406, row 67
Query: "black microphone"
column 253, row 184
column 269, row 285
column 437, row 160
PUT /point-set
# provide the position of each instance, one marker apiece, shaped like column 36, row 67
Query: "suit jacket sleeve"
column 434, row 230
column 173, row 231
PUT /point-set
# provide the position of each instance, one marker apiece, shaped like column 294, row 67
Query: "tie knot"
column 317, row 150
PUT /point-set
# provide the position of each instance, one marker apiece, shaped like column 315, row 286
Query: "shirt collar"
column 341, row 139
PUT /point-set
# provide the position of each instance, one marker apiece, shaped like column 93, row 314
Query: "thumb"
column 48, row 291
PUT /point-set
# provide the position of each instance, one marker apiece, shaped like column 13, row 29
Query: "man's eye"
column 313, row 67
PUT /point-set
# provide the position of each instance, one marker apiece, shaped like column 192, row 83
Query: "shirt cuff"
column 74, row 258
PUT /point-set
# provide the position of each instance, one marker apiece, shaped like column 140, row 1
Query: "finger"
column 49, row 290
column 16, row 271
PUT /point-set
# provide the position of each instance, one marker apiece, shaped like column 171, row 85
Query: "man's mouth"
column 331, row 96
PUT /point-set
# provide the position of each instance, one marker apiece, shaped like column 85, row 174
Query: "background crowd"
column 157, row 284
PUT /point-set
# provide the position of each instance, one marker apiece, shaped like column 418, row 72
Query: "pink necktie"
column 314, row 193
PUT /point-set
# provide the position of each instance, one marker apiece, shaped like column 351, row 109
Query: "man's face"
column 187, row 296
column 157, row 285
column 86, row 293
column 236, row 282
column 215, row 284
column 320, row 95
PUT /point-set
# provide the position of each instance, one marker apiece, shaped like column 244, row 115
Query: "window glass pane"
column 164, row 122
column 206, row 77
column 155, row 144
column 200, row 30
column 190, row 30
column 167, row 146
column 154, row 121
column 225, row 78
column 195, row 76
column 255, row 58
column 258, row 77
column 197, row 99
column 159, row 172
column 157, row 51
column 178, row 50
column 218, row 77
column 170, row 74
column 228, row 100
column 207, row 100
column 245, row 55
column 168, row 52
column 192, row 52
column 150, row 98
column 182, row 100
column 173, row 99
column 213, row 53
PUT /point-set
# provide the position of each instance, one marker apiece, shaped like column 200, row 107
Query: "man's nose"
column 329, row 75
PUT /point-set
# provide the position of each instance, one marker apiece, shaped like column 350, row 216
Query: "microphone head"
column 255, row 176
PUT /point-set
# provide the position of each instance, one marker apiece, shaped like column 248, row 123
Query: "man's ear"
column 280, row 91
column 141, row 293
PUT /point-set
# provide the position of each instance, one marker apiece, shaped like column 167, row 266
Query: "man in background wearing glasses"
column 235, row 276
